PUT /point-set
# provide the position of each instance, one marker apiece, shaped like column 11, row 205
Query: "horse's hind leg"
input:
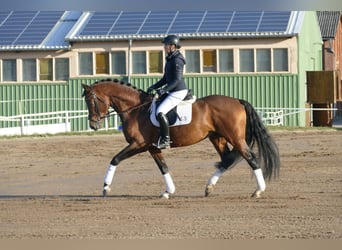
column 252, row 160
column 228, row 158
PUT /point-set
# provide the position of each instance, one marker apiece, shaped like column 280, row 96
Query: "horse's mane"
column 120, row 82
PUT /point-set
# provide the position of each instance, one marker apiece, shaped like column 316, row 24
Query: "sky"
column 143, row 5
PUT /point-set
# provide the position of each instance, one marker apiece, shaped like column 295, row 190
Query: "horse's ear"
column 86, row 88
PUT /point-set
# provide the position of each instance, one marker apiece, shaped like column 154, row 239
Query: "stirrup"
column 162, row 143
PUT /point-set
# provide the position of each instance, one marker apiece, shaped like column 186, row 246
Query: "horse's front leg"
column 164, row 169
column 130, row 150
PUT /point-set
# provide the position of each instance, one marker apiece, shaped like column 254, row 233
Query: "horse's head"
column 97, row 106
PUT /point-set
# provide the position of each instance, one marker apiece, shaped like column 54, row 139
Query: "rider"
column 175, row 87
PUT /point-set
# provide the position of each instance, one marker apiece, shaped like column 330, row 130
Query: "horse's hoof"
column 209, row 189
column 257, row 194
column 106, row 190
column 165, row 195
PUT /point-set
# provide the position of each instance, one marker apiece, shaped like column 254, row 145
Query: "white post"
column 106, row 123
column 22, row 125
column 115, row 121
column 66, row 122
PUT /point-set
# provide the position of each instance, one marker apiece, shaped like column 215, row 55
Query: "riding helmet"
column 172, row 40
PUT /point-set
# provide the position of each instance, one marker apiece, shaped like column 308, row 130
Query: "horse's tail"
column 268, row 150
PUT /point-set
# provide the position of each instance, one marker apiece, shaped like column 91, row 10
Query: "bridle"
column 98, row 113
column 96, row 100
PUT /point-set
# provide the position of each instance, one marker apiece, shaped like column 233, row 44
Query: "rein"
column 99, row 117
column 130, row 109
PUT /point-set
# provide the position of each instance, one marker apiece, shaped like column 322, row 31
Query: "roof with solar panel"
column 56, row 29
column 36, row 29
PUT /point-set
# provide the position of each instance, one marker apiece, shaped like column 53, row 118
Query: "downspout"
column 129, row 61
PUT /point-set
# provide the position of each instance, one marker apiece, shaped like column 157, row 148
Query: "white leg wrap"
column 170, row 187
column 215, row 177
column 260, row 179
column 110, row 174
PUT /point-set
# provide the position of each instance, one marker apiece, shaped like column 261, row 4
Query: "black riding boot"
column 164, row 140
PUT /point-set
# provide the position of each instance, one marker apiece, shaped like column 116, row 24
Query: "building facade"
column 330, row 23
column 258, row 56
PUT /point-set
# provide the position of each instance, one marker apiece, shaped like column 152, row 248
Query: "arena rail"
column 48, row 123
column 60, row 122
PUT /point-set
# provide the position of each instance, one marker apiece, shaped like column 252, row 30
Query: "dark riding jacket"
column 173, row 73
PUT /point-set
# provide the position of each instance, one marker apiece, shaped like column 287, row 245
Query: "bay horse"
column 232, row 125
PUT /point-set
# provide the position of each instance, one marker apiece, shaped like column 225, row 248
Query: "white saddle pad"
column 184, row 113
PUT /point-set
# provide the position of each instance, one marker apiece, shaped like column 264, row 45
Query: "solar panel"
column 3, row 16
column 14, row 25
column 39, row 28
column 100, row 23
column 216, row 21
column 187, row 22
column 245, row 21
column 178, row 22
column 274, row 21
column 129, row 23
column 157, row 22
column 57, row 37
column 33, row 27
column 27, row 27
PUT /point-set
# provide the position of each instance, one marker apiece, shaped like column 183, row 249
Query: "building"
column 260, row 56
column 330, row 23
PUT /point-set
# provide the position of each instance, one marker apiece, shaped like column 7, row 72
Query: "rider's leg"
column 164, row 141
column 171, row 101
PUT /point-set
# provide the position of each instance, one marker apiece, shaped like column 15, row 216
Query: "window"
column 139, row 62
column 35, row 70
column 102, row 63
column 192, row 61
column 85, row 63
column 62, row 69
column 280, row 60
column 209, row 60
column 156, row 62
column 246, row 60
column 9, row 69
column 29, row 70
column 226, row 60
column 45, row 70
column 119, row 62
column 263, row 60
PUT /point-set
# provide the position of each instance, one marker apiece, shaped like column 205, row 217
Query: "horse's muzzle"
column 94, row 125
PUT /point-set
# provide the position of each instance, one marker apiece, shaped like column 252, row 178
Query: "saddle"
column 179, row 115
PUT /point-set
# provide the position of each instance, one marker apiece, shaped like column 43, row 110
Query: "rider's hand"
column 161, row 92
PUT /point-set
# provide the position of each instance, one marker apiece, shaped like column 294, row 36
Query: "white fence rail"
column 60, row 122
column 272, row 118
column 47, row 123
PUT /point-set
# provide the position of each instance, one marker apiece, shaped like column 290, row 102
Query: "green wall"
column 309, row 55
column 275, row 91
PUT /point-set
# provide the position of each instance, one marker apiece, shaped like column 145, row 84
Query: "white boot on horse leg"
column 108, row 179
column 261, row 185
column 212, row 182
column 170, row 186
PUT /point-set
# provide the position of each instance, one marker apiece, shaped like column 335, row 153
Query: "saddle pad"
column 184, row 114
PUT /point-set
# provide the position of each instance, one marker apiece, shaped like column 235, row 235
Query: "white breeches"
column 171, row 101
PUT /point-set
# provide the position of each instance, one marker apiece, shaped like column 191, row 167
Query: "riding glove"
column 161, row 91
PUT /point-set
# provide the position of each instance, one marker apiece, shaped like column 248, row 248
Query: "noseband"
column 96, row 108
